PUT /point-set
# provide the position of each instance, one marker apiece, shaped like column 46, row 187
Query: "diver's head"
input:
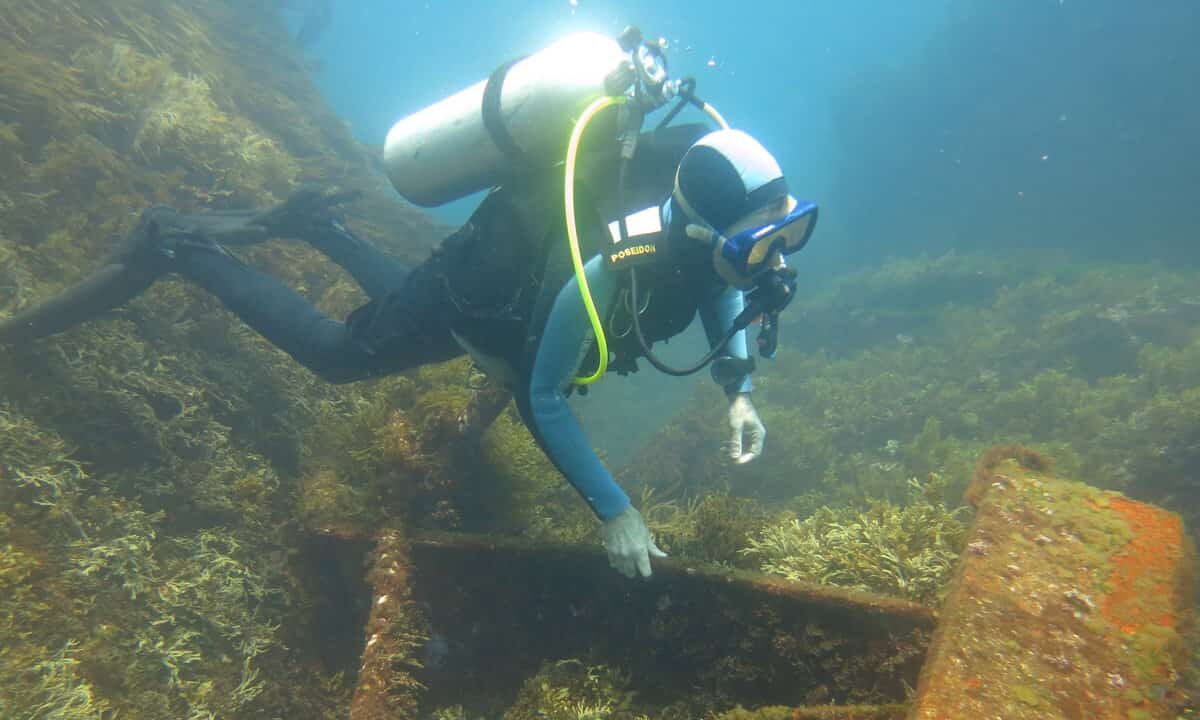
column 734, row 197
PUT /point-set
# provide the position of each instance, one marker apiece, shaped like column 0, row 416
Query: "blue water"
column 919, row 127
column 775, row 71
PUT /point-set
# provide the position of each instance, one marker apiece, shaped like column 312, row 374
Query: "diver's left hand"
column 743, row 420
column 304, row 212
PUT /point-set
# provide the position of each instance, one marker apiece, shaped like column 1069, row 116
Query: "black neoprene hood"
column 728, row 175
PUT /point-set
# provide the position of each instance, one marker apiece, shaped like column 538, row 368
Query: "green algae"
column 176, row 600
column 907, row 551
column 572, row 690
column 828, row 712
column 714, row 528
column 1029, row 695
column 153, row 461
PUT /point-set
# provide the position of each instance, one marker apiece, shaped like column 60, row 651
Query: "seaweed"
column 154, row 462
column 572, row 690
column 160, row 466
column 111, row 613
column 712, row 528
column 907, row 551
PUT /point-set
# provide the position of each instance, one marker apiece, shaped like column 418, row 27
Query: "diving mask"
column 754, row 247
column 751, row 258
column 756, row 244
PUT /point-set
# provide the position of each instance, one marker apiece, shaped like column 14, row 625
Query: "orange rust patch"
column 1142, row 579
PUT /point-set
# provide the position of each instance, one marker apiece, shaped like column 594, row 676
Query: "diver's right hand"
column 629, row 544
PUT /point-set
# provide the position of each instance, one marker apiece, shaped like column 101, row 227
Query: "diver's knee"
column 336, row 373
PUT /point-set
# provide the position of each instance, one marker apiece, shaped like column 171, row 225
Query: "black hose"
column 652, row 358
column 740, row 323
column 687, row 90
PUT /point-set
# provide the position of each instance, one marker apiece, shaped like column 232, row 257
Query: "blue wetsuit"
column 557, row 362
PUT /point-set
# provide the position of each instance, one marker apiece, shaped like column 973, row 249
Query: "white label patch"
column 642, row 222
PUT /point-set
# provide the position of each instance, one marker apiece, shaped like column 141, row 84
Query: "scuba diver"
column 676, row 222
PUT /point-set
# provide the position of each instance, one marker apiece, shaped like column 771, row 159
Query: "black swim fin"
column 112, row 286
column 152, row 248
column 133, row 267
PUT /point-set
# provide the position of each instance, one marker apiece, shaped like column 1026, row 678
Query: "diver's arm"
column 718, row 311
column 720, row 307
column 626, row 537
column 555, row 363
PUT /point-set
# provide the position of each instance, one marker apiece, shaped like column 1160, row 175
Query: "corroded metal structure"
column 386, row 689
column 1069, row 603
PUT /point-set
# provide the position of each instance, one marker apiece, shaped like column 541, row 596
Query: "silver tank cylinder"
column 444, row 152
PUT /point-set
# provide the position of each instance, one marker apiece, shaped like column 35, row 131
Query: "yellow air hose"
column 573, row 235
column 573, row 231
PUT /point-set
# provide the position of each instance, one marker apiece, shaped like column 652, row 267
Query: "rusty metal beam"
column 1068, row 603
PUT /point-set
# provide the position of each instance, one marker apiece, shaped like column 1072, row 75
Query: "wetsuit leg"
column 376, row 272
column 375, row 341
column 401, row 329
column 308, row 215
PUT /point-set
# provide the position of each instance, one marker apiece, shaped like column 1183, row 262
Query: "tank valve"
column 630, row 38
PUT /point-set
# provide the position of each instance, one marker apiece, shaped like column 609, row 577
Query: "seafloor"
column 193, row 526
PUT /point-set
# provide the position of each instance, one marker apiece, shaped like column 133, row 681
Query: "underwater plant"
column 159, row 467
column 572, row 690
column 908, row 551
column 711, row 528
column 162, row 468
column 110, row 611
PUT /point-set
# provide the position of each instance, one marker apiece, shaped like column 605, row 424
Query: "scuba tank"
column 524, row 112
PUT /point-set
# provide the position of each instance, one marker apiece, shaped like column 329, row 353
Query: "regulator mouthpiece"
column 773, row 291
